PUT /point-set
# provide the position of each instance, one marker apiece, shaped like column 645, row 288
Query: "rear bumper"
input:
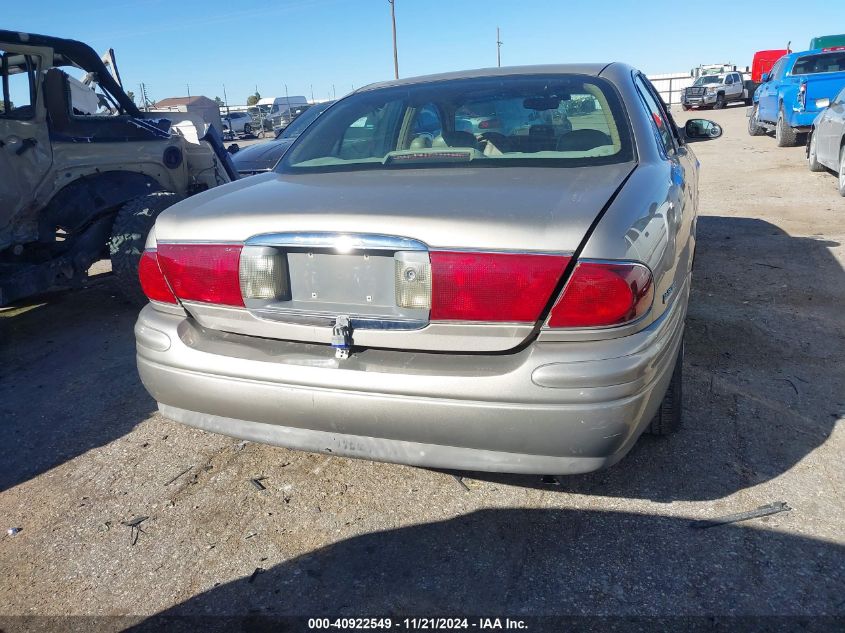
column 551, row 408
column 802, row 121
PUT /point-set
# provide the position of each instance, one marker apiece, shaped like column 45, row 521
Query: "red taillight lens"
column 152, row 280
column 492, row 286
column 600, row 294
column 203, row 272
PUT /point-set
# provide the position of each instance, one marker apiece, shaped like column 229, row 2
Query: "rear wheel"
column 842, row 171
column 720, row 102
column 812, row 161
column 754, row 127
column 129, row 234
column 667, row 420
column 247, row 129
column 785, row 134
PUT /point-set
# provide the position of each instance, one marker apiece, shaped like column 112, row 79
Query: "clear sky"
column 346, row 43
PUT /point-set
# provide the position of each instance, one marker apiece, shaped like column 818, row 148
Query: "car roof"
column 815, row 51
column 507, row 71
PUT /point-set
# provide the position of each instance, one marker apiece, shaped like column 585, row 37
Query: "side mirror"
column 764, row 78
column 234, row 148
column 701, row 129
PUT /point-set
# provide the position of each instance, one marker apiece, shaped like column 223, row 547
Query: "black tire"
column 128, row 236
column 685, row 107
column 785, row 135
column 754, row 127
column 667, row 420
column 720, row 102
column 247, row 129
column 749, row 101
column 842, row 171
column 812, row 161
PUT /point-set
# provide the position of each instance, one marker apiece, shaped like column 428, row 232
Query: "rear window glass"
column 822, row 63
column 546, row 120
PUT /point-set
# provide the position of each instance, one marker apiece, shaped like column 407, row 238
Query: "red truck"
column 763, row 62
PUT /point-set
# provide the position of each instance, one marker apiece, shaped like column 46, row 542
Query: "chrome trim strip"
column 497, row 251
column 325, row 319
column 199, row 242
column 342, row 242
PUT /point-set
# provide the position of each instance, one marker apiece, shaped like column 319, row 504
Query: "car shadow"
column 763, row 370
column 68, row 380
column 523, row 562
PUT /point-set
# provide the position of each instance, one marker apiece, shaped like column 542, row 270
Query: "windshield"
column 546, row 120
column 303, row 120
column 823, row 63
column 705, row 81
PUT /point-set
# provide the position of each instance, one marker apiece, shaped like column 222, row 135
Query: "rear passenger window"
column 661, row 125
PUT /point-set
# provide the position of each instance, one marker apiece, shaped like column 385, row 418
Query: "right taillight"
column 602, row 294
column 152, row 280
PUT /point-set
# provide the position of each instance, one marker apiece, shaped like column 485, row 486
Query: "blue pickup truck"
column 798, row 87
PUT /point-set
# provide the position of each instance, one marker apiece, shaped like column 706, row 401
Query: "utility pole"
column 225, row 99
column 189, row 90
column 312, row 93
column 498, row 48
column 395, row 51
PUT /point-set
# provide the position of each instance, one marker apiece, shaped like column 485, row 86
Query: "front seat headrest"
column 455, row 139
column 421, row 142
column 582, row 140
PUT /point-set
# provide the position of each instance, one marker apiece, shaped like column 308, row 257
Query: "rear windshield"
column 820, row 63
column 540, row 120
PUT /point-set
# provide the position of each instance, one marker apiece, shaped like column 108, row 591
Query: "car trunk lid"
column 366, row 246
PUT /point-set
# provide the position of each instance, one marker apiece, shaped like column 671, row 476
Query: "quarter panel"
column 652, row 221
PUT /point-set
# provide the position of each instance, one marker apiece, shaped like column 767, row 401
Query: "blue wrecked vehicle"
column 799, row 86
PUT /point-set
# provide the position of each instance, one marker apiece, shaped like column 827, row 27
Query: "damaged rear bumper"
column 551, row 408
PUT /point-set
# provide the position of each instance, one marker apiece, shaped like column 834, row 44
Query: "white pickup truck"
column 717, row 91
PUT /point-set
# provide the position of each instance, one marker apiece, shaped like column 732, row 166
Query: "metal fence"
column 671, row 85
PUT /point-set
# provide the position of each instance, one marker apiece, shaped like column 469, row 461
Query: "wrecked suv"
column 83, row 172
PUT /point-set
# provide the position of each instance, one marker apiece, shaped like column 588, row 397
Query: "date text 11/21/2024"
column 419, row 623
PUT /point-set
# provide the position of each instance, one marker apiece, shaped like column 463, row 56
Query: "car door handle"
column 26, row 144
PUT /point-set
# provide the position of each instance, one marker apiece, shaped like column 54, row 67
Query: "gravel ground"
column 82, row 450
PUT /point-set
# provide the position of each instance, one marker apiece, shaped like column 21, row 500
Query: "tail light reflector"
column 601, row 294
column 492, row 286
column 203, row 272
column 152, row 280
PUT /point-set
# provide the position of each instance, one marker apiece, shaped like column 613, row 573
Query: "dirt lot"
column 82, row 450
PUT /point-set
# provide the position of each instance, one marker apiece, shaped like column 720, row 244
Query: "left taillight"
column 203, row 272
column 152, row 279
